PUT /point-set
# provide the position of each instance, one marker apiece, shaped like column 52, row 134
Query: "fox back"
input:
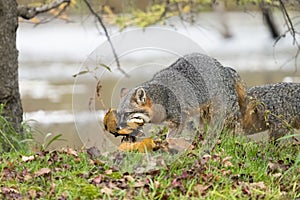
column 193, row 81
column 275, row 107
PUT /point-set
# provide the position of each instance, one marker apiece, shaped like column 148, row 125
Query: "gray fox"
column 193, row 83
column 275, row 107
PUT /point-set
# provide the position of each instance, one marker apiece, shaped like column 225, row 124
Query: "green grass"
column 10, row 139
column 235, row 169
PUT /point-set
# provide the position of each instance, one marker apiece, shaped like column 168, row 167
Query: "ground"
column 235, row 169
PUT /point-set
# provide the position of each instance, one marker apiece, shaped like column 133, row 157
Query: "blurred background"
column 51, row 53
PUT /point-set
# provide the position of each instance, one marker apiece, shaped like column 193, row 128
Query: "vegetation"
column 235, row 169
column 10, row 139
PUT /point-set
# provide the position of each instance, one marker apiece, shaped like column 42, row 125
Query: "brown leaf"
column 216, row 157
column 156, row 184
column 6, row 190
column 205, row 159
column 107, row 191
column 277, row 167
column 97, row 179
column 27, row 177
column 129, row 178
column 226, row 159
column 179, row 144
column 260, row 185
column 52, row 189
column 71, row 152
column 42, row 171
column 228, row 164
column 246, row 189
column 32, row 193
column 272, row 166
column 225, row 172
column 277, row 175
column 176, row 183
column 201, row 189
column 27, row 158
column 63, row 196
column 139, row 183
column 109, row 171
column 93, row 152
column 153, row 172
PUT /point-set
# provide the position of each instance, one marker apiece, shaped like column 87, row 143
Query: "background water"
column 50, row 54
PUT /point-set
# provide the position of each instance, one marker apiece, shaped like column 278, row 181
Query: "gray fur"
column 275, row 107
column 191, row 82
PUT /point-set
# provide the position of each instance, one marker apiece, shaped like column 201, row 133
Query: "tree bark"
column 9, row 81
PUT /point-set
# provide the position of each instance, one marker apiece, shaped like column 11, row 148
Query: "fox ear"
column 140, row 96
column 123, row 92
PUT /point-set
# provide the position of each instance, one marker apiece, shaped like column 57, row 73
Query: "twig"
column 291, row 30
column 288, row 20
column 55, row 16
column 30, row 12
column 107, row 36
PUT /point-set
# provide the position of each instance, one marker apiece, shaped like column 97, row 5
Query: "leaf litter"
column 190, row 176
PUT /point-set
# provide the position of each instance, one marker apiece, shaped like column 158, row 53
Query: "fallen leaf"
column 27, row 177
column 93, row 152
column 205, row 159
column 228, row 164
column 176, row 183
column 97, row 179
column 184, row 175
column 277, row 175
column 139, row 184
column 225, row 172
column 63, row 196
column 52, row 189
column 107, row 191
column 259, row 185
column 201, row 189
column 71, row 152
column 27, row 158
column 109, row 171
column 32, row 193
column 129, row 178
column 156, row 184
column 226, row 159
column 272, row 166
column 6, row 190
column 42, row 171
column 246, row 189
column 179, row 144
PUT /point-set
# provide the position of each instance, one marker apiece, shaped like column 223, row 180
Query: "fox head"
column 134, row 109
column 137, row 108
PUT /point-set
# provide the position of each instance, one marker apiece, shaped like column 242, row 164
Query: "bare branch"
column 291, row 30
column 107, row 36
column 288, row 20
column 55, row 16
column 30, row 12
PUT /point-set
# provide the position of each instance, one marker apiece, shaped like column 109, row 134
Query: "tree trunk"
column 9, row 84
column 269, row 20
